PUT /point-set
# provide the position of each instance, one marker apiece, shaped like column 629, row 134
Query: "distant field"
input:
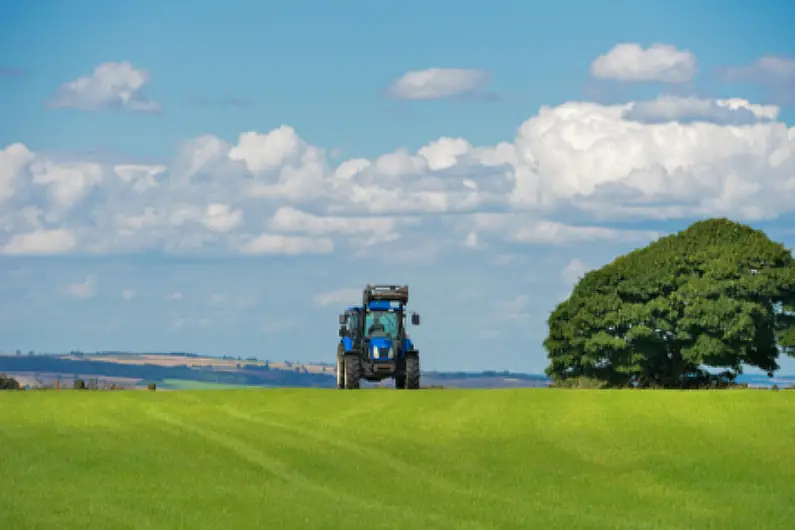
column 458, row 459
column 217, row 363
column 184, row 384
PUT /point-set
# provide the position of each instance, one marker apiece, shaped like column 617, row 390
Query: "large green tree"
column 718, row 294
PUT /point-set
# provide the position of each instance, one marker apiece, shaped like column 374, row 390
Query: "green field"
column 458, row 459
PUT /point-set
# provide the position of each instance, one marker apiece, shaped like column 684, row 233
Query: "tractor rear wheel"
column 352, row 370
column 412, row 371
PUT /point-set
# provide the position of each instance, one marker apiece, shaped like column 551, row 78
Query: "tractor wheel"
column 400, row 381
column 412, row 371
column 352, row 370
column 340, row 367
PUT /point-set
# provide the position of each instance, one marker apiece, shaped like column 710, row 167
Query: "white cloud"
column 264, row 152
column 128, row 294
column 139, row 177
column 13, row 159
column 291, row 245
column 592, row 157
column 691, row 109
column 110, row 86
column 67, row 184
column 525, row 228
column 85, row 289
column 347, row 296
column 40, row 242
column 658, row 62
column 221, row 217
column 367, row 230
column 175, row 296
column 273, row 193
column 438, row 83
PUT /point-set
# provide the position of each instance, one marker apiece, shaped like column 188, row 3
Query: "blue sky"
column 134, row 215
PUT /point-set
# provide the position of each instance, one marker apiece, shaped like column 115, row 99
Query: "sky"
column 226, row 177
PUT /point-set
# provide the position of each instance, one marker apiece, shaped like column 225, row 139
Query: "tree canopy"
column 8, row 383
column 718, row 294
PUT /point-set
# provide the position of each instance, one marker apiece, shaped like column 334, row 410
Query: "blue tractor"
column 374, row 344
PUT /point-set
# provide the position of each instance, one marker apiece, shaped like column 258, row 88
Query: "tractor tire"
column 400, row 381
column 353, row 370
column 412, row 371
column 340, row 367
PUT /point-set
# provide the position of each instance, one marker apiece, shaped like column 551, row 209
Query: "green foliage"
column 718, row 294
column 445, row 459
column 152, row 386
column 8, row 383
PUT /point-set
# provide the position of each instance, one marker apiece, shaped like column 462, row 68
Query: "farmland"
column 314, row 458
column 136, row 370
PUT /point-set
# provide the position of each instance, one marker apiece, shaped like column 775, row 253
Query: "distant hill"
column 174, row 370
column 181, row 370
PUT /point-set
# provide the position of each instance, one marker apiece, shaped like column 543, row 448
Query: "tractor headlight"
column 391, row 352
column 376, row 353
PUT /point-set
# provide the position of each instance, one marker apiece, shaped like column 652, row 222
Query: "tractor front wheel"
column 400, row 381
column 352, row 370
column 340, row 367
column 412, row 371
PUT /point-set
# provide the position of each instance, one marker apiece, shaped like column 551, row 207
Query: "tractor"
column 374, row 344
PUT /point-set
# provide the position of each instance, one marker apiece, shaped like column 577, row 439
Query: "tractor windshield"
column 381, row 324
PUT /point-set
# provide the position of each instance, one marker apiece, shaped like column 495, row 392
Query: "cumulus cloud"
column 109, row 86
column 367, row 230
column 221, row 217
column 659, row 62
column 594, row 158
column 40, row 242
column 438, row 83
column 271, row 192
column 13, row 159
column 692, row 109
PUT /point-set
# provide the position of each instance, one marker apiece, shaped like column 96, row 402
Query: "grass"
column 463, row 459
